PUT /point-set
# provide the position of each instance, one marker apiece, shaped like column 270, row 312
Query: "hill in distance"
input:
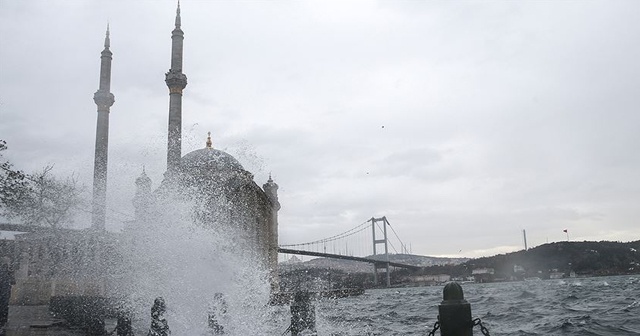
column 583, row 258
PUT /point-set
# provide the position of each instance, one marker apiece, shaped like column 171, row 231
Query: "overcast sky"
column 462, row 122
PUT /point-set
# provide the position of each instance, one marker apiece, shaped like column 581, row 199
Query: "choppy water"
column 584, row 306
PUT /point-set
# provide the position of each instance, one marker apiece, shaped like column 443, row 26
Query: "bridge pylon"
column 385, row 264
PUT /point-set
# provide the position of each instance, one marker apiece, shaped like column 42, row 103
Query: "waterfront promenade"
column 36, row 320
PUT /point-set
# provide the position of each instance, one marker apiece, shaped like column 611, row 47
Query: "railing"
column 454, row 316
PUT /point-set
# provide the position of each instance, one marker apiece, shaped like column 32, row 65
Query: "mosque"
column 48, row 262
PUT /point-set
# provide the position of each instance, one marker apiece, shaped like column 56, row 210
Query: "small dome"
column 211, row 159
column 143, row 179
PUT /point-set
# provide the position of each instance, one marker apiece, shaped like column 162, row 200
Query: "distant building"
column 426, row 280
column 464, row 279
column 556, row 275
column 483, row 274
column 480, row 271
column 292, row 260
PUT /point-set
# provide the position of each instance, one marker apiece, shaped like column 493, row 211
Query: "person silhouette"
column 6, row 281
column 159, row 325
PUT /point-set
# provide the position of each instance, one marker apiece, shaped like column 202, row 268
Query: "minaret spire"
column 176, row 81
column 103, row 99
column 209, row 143
column 107, row 41
column 178, row 15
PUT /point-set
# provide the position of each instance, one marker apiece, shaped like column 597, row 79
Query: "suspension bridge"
column 367, row 242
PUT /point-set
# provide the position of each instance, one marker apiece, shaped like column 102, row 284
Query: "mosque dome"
column 209, row 160
column 143, row 179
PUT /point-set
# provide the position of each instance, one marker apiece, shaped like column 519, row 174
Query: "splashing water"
column 178, row 257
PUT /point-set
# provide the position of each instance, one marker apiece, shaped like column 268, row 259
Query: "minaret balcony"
column 104, row 99
column 175, row 79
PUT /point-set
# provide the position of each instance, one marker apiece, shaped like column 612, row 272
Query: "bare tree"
column 38, row 199
column 13, row 183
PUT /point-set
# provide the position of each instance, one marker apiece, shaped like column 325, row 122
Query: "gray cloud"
column 497, row 117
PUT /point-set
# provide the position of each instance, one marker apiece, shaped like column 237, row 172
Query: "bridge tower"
column 384, row 241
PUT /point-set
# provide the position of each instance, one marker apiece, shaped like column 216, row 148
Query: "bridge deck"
column 338, row 256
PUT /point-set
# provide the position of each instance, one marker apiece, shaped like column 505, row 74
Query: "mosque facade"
column 46, row 267
column 225, row 190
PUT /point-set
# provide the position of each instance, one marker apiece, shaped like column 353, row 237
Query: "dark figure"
column 214, row 325
column 6, row 280
column 94, row 324
column 123, row 326
column 303, row 315
column 217, row 314
column 159, row 325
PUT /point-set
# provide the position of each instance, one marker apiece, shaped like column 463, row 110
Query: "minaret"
column 104, row 99
column 142, row 199
column 271, row 190
column 176, row 81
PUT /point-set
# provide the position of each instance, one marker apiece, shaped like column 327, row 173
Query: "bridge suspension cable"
column 359, row 228
column 403, row 247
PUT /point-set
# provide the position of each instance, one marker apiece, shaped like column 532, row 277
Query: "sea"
column 575, row 306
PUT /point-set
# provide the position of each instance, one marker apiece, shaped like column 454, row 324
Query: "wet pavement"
column 36, row 320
